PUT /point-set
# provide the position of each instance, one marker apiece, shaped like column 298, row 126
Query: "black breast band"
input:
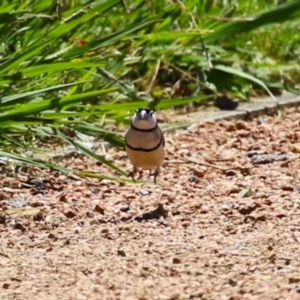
column 144, row 130
column 161, row 142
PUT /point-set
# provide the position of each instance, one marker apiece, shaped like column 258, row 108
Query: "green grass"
column 82, row 66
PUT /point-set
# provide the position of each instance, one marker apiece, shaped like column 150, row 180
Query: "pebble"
column 297, row 289
column 143, row 193
column 239, row 244
column 125, row 208
column 193, row 178
column 16, row 202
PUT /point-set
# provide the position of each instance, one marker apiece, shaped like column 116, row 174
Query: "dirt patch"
column 224, row 222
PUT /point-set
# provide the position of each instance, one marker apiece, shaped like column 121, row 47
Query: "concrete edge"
column 245, row 111
column 252, row 109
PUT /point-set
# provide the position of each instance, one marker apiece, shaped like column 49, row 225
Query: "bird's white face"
column 144, row 118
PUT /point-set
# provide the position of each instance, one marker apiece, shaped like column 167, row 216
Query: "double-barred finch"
column 144, row 142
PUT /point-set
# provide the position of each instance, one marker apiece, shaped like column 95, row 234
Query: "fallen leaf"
column 21, row 212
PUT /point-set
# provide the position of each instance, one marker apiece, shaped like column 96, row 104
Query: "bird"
column 145, row 142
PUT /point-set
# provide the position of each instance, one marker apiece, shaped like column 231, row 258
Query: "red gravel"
column 224, row 223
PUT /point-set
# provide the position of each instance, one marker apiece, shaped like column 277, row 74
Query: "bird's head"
column 144, row 118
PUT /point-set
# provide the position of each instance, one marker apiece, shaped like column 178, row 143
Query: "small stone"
column 39, row 217
column 176, row 260
column 125, row 208
column 52, row 236
column 70, row 214
column 232, row 282
column 19, row 226
column 280, row 215
column 260, row 121
column 268, row 158
column 239, row 244
column 15, row 203
column 295, row 148
column 288, row 187
column 121, row 253
column 241, row 125
column 228, row 204
column 230, row 173
column 143, row 193
column 267, row 201
column 193, row 178
column 252, row 153
column 63, row 198
column 230, row 127
column 90, row 214
column 285, row 271
column 204, row 210
column 5, row 285
column 261, row 218
column 249, row 219
column 199, row 272
column 38, row 183
column 78, row 229
column 99, row 209
column 247, row 208
column 297, row 289
column 198, row 173
column 294, row 280
column 210, row 187
column 225, row 208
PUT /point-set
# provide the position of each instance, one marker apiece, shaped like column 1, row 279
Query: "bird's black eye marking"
column 149, row 111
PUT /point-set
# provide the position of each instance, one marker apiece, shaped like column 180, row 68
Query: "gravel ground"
column 222, row 223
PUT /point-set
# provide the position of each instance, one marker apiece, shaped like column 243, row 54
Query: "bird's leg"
column 132, row 173
column 156, row 173
column 140, row 173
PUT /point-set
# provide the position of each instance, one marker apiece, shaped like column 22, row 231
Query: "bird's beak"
column 143, row 114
